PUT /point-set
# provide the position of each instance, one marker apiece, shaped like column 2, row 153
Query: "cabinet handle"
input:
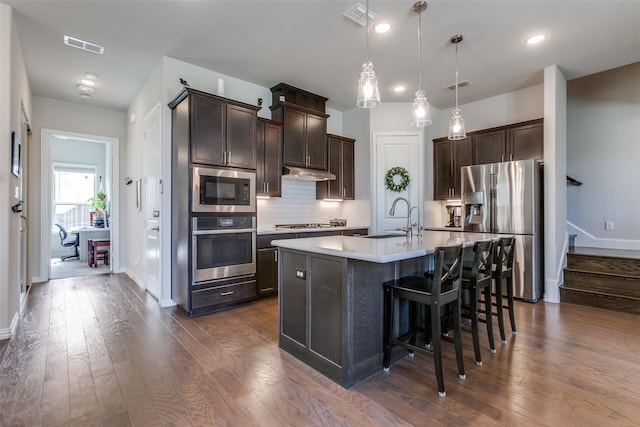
column 226, row 294
column 267, row 185
column 228, row 157
column 511, row 156
column 502, row 158
column 275, row 256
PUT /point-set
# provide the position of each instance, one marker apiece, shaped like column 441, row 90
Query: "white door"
column 22, row 186
column 404, row 149
column 151, row 206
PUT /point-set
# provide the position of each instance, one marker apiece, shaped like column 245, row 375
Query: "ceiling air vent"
column 357, row 13
column 81, row 44
column 462, row 83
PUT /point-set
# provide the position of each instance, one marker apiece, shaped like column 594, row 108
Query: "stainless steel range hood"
column 305, row 174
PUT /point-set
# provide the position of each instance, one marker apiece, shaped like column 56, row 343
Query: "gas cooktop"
column 310, row 225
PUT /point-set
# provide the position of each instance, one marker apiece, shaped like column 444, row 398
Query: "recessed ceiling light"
column 399, row 88
column 382, row 27
column 86, row 89
column 91, row 76
column 87, row 82
column 536, row 39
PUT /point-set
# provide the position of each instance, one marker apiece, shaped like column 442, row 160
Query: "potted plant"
column 99, row 206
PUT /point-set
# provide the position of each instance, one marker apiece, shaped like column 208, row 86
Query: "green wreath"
column 392, row 183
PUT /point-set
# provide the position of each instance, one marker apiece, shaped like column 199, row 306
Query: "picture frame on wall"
column 15, row 154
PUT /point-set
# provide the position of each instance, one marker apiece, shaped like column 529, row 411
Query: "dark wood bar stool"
column 433, row 292
column 476, row 279
column 503, row 274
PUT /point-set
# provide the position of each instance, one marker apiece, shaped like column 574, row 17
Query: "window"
column 73, row 188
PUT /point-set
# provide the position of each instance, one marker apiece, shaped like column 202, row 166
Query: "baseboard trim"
column 8, row 333
column 135, row 278
column 167, row 302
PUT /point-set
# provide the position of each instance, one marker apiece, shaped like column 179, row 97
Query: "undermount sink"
column 382, row 236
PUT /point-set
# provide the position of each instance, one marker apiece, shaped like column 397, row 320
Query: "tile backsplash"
column 298, row 204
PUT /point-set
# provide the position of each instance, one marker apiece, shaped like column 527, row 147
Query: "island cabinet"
column 341, row 163
column 269, row 153
column 304, row 135
column 267, row 255
column 448, row 158
column 331, row 312
column 222, row 131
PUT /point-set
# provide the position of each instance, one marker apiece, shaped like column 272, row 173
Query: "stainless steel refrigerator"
column 506, row 198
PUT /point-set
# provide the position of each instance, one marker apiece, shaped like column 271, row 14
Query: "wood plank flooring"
column 97, row 351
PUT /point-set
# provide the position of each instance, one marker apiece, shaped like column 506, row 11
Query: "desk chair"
column 69, row 243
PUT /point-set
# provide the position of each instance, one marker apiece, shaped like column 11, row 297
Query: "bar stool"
column 476, row 278
column 505, row 248
column 433, row 292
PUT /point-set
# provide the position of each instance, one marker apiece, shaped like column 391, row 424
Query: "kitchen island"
column 331, row 297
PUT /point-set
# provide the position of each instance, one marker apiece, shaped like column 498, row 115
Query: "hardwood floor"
column 98, row 351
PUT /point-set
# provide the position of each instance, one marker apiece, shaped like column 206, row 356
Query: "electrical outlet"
column 608, row 225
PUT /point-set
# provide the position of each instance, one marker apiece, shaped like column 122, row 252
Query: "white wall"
column 71, row 117
column 603, row 150
column 14, row 92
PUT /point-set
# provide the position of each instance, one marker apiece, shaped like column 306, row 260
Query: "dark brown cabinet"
column 267, row 256
column 222, row 131
column 489, row 147
column 341, row 163
column 448, row 158
column 304, row 136
column 269, row 157
column 514, row 142
column 526, row 141
column 518, row 141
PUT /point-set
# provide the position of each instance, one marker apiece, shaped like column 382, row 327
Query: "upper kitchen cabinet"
column 222, row 131
column 518, row 141
column 269, row 151
column 304, row 134
column 489, row 146
column 304, row 126
column 448, row 158
column 341, row 159
column 526, row 141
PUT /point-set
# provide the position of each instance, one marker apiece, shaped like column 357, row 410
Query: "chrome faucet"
column 392, row 211
column 417, row 224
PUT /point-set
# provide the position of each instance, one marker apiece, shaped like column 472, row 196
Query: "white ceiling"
column 309, row 44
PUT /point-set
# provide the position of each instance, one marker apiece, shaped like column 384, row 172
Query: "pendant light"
column 368, row 94
column 456, row 124
column 421, row 112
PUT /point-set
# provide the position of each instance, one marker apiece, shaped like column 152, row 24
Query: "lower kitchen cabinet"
column 267, row 271
column 267, row 255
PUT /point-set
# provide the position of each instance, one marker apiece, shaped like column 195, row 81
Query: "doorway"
column 80, row 202
column 392, row 149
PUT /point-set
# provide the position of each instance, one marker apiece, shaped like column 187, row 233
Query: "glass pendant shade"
column 456, row 126
column 368, row 93
column 421, row 111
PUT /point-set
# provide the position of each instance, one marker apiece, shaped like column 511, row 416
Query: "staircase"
column 605, row 278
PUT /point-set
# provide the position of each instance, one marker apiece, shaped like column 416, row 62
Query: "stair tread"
column 592, row 292
column 600, row 273
column 603, row 252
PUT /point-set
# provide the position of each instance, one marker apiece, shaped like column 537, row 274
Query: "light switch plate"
column 608, row 225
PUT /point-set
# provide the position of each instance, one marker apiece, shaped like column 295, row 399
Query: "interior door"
column 22, row 188
column 404, row 150
column 152, row 169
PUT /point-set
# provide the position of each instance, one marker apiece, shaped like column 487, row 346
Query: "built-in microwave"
column 223, row 190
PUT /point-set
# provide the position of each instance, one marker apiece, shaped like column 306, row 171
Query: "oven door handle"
column 229, row 231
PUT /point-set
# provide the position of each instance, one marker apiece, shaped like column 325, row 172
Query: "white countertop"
column 381, row 250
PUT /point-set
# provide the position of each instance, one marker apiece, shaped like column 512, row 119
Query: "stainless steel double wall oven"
column 213, row 202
